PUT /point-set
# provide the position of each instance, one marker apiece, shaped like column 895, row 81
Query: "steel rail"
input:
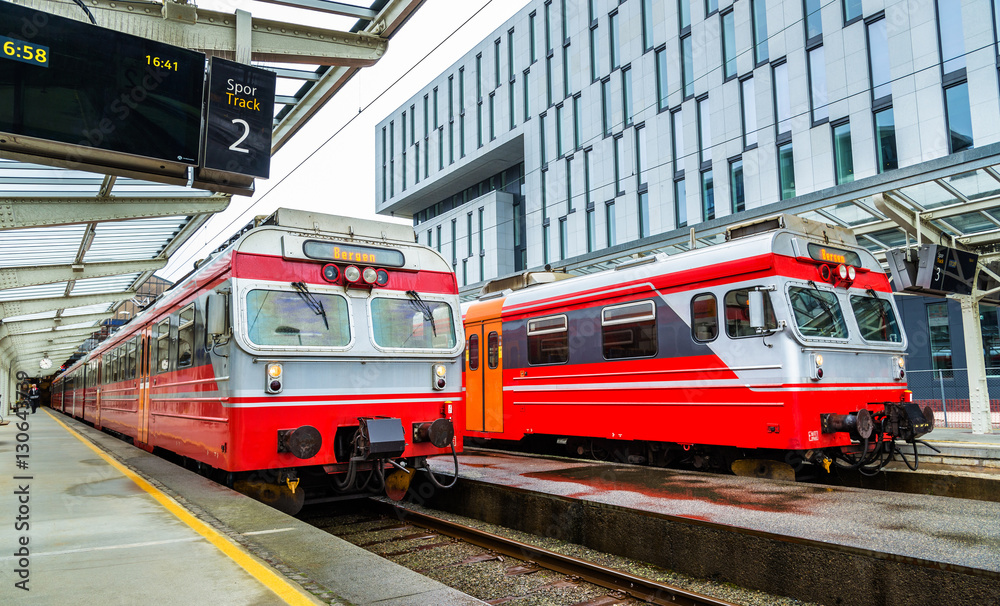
column 643, row 589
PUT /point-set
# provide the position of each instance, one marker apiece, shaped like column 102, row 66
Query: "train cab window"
column 493, row 350
column 737, row 304
column 704, row 317
column 162, row 336
column 629, row 330
column 817, row 313
column 292, row 319
column 548, row 340
column 473, row 352
column 185, row 337
column 875, row 319
column 412, row 323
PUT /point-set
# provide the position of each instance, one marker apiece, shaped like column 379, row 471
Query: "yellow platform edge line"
column 259, row 570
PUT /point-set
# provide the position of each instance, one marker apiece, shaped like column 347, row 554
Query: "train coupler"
column 907, row 421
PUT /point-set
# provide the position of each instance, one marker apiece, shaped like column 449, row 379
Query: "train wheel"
column 278, row 496
column 763, row 468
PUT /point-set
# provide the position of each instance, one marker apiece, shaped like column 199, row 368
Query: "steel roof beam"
column 17, row 277
column 16, row 328
column 392, row 16
column 43, row 335
column 20, row 213
column 14, row 349
column 23, row 307
column 44, row 350
column 214, row 33
column 334, row 8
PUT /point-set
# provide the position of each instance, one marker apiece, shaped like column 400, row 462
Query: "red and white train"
column 778, row 347
column 310, row 348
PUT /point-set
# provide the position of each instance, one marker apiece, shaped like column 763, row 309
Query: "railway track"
column 499, row 569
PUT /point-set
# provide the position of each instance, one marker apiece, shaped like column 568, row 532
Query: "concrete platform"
column 818, row 543
column 111, row 524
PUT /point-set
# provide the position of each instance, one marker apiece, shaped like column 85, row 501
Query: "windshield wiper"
column 420, row 305
column 314, row 304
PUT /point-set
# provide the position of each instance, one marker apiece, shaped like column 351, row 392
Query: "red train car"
column 779, row 347
column 310, row 348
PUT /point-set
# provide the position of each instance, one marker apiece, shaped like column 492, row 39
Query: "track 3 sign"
column 239, row 118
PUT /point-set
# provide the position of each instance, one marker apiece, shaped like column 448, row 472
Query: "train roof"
column 746, row 249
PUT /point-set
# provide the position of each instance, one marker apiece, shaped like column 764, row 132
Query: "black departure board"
column 90, row 87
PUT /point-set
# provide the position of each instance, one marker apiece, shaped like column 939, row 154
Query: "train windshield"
column 875, row 319
column 412, row 324
column 817, row 313
column 283, row 318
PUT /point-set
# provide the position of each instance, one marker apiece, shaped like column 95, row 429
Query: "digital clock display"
column 19, row 50
column 97, row 90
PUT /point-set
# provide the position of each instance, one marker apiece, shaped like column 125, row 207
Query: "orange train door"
column 143, row 409
column 484, row 364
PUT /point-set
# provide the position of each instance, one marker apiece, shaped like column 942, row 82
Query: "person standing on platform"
column 34, row 397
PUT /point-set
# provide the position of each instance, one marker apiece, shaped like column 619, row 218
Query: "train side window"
column 704, row 317
column 473, row 352
column 130, row 361
column 162, row 346
column 548, row 340
column 113, row 365
column 629, row 330
column 493, row 350
column 737, row 304
column 185, row 337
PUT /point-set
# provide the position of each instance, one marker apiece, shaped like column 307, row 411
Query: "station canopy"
column 74, row 245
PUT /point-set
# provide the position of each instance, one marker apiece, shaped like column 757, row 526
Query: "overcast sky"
column 329, row 165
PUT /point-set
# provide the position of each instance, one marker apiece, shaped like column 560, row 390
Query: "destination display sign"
column 239, row 118
column 96, row 89
column 828, row 254
column 352, row 253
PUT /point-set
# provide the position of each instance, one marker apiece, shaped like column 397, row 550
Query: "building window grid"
column 541, row 145
column 662, row 92
column 748, row 105
column 677, row 140
column 493, row 134
column 511, row 103
column 647, row 24
column 416, row 159
column 627, row 95
column 532, row 52
column 843, row 158
column 707, row 195
column 609, row 222
column 606, row 106
column 468, row 225
column 559, row 132
column 704, row 132
column 577, row 122
column 527, row 95
column 613, row 50
column 563, row 238
column 569, row 184
column 496, row 63
column 548, row 81
column 427, row 126
column 640, row 156
column 510, row 54
column 758, row 16
column 786, row 171
column 565, row 70
column 729, row 44
column 687, row 66
column 680, row 203
column 619, row 150
column 737, row 192
column 782, row 104
column 595, row 55
column 816, row 66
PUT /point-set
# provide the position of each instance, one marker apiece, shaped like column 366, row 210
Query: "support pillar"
column 979, row 394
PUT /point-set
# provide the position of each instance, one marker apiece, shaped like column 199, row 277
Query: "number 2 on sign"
column 246, row 132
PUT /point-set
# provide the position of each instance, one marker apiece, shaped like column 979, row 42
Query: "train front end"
column 343, row 359
column 832, row 330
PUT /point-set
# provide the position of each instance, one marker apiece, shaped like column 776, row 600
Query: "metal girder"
column 13, row 349
column 19, row 213
column 44, row 349
column 16, row 328
column 214, row 33
column 16, row 277
column 50, row 334
column 9, row 309
column 326, row 6
column 906, row 218
column 393, row 15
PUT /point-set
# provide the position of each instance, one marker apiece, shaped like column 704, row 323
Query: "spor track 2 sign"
column 239, row 118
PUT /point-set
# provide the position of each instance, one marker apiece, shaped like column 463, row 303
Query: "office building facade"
column 584, row 125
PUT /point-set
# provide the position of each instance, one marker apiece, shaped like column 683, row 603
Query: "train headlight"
column 331, row 273
column 381, row 277
column 898, row 368
column 274, row 376
column 352, row 274
column 439, row 376
column 816, row 367
column 851, row 273
column 842, row 271
column 369, row 275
